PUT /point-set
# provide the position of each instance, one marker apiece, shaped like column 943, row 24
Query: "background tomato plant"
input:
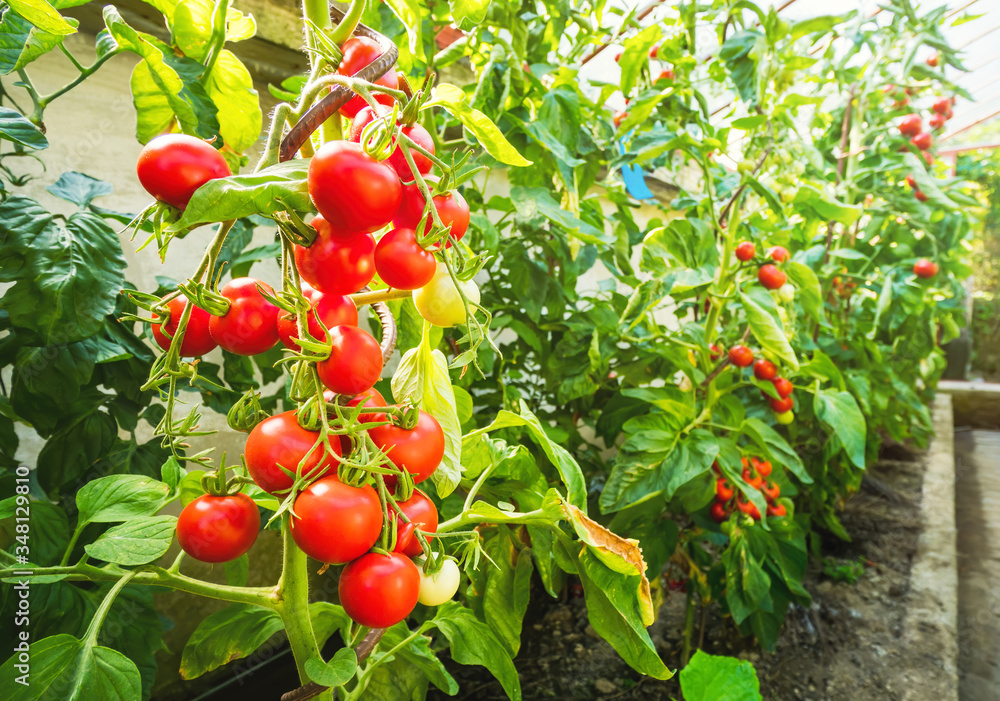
column 589, row 387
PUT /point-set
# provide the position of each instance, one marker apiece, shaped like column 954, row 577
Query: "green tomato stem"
column 293, row 602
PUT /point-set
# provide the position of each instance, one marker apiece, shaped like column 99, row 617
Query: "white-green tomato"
column 439, row 301
column 437, row 588
column 786, row 293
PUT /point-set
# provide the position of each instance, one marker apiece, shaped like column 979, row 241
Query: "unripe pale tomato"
column 740, row 356
column 379, row 591
column 355, row 361
column 925, row 268
column 397, row 160
column 765, row 370
column 745, row 251
column 403, row 263
column 439, row 301
column 278, row 441
column 437, row 588
column 218, row 528
column 351, row 189
column 335, row 522
column 421, row 512
column 250, row 326
column 771, row 277
column 418, row 450
column 785, row 417
column 197, row 340
column 358, row 53
column 338, row 261
column 786, row 293
column 171, row 167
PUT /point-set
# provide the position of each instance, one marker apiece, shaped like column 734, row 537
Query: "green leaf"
column 739, row 54
column 238, row 571
column 135, row 542
column 529, row 200
column 506, row 595
column 883, row 305
column 807, row 289
column 569, row 470
column 42, row 15
column 327, row 619
column 839, row 413
column 614, row 612
column 775, row 447
column 473, row 642
column 72, row 273
column 337, row 671
column 762, row 315
column 79, row 189
column 422, row 377
column 481, row 126
column 119, row 498
column 406, row 675
column 635, row 56
column 410, row 14
column 716, row 678
column 468, row 13
column 74, row 670
column 828, row 207
column 75, row 448
column 230, row 87
column 276, row 189
column 21, row 42
column 230, row 634
column 747, row 584
column 18, row 129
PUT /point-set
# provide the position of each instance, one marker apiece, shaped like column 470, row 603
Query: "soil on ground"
column 846, row 645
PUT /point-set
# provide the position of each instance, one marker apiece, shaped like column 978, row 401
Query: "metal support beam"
column 966, row 128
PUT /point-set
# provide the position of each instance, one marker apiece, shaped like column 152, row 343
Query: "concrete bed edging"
column 931, row 618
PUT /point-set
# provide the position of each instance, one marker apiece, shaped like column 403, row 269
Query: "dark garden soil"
column 845, row 646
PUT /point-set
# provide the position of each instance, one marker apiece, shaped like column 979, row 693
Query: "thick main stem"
column 293, row 602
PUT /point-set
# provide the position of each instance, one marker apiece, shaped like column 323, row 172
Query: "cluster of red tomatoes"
column 770, row 275
column 912, row 125
column 665, row 75
column 755, row 474
column 765, row 370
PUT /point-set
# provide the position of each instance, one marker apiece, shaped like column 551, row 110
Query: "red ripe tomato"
column 197, row 340
column 422, row 512
column 618, row 57
column 718, row 512
column 770, row 277
column 278, row 441
column 251, row 324
column 779, row 254
column 765, row 370
column 780, row 406
column 337, row 262
column 763, row 468
column 925, row 269
column 379, row 591
column 752, row 478
column 783, row 386
column 740, row 356
column 911, row 125
column 332, row 309
column 403, row 263
column 451, row 207
column 911, row 181
column 745, row 251
column 932, row 60
column 666, row 74
column 771, row 490
column 335, row 522
column 355, row 362
column 949, row 114
column 218, row 529
column 419, row 450
column 714, row 352
column 358, row 53
column 942, row 106
column 171, row 167
column 619, row 118
column 723, row 489
column 653, row 52
column 397, row 160
column 351, row 189
column 776, row 510
column 937, row 121
column 748, row 508
column 921, row 197
column 370, row 397
column 922, row 141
